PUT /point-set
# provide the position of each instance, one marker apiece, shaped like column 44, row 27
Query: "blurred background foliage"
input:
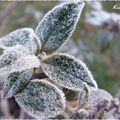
column 97, row 46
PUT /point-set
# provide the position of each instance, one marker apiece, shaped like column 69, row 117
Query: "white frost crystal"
column 83, row 97
column 58, row 25
column 67, row 71
column 41, row 99
column 96, row 96
column 24, row 36
column 16, row 81
column 27, row 62
column 17, row 59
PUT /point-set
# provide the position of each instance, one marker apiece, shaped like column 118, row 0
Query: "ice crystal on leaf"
column 83, row 97
column 41, row 99
column 67, row 71
column 40, row 92
column 17, row 59
column 27, row 62
column 58, row 25
column 24, row 36
column 15, row 82
column 96, row 96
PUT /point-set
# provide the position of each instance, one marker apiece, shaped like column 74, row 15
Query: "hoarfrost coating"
column 41, row 99
column 17, row 59
column 67, row 71
column 16, row 81
column 58, row 25
column 24, row 36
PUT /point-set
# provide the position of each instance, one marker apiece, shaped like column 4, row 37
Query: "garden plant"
column 42, row 80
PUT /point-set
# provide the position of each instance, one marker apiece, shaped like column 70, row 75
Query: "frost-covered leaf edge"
column 9, row 92
column 79, row 61
column 52, row 10
column 35, row 43
column 13, row 65
column 60, row 92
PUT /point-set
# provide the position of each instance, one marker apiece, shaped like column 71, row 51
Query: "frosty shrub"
column 40, row 79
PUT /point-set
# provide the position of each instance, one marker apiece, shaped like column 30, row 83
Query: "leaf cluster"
column 26, row 52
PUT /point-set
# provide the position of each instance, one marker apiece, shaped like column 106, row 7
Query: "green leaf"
column 17, row 59
column 24, row 36
column 41, row 99
column 16, row 82
column 67, row 71
column 58, row 25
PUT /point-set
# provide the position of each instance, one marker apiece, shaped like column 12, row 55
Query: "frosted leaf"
column 109, row 116
column 23, row 36
column 23, row 63
column 11, row 54
column 96, row 96
column 15, row 82
column 83, row 97
column 80, row 114
column 58, row 25
column 41, row 99
column 67, row 71
column 17, row 59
